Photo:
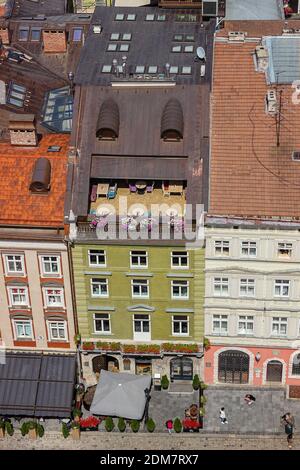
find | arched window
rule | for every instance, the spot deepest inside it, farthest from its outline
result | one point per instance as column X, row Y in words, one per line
column 233, row 367
column 296, row 365
column 274, row 371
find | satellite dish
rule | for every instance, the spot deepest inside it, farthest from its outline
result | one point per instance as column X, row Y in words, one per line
column 201, row 53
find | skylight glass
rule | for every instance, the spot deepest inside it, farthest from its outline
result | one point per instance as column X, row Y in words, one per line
column 58, row 110
column 114, row 36
column 112, row 47
column 176, row 48
column 186, row 70
column 174, row 69
column 188, row 48
column 126, row 37
column 149, row 17
column 131, row 17
column 124, row 47
column 119, row 17
column 189, row 37
column 106, row 68
column 161, row 17
column 152, row 69
column 140, row 69
column 178, row 37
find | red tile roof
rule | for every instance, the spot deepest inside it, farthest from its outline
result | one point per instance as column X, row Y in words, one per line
column 18, row 206
column 250, row 175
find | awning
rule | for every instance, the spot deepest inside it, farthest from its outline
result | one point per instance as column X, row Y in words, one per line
column 122, row 395
column 40, row 385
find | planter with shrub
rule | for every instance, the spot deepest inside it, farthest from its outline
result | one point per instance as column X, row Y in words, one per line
column 150, row 425
column 177, row 425
column 135, row 425
column 121, row 424
column 88, row 346
column 165, row 382
column 76, row 414
column 196, row 382
column 109, row 424
column 33, row 428
column 65, row 430
column 6, row 427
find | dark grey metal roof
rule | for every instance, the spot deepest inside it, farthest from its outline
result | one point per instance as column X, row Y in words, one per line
column 45, row 7
column 150, row 44
column 37, row 385
column 108, row 120
column 254, row 10
column 172, row 119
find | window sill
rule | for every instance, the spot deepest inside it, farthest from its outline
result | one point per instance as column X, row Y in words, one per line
column 58, row 344
column 25, row 343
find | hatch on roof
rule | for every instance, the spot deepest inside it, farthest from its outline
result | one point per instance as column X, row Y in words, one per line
column 40, row 182
column 108, row 120
column 172, row 121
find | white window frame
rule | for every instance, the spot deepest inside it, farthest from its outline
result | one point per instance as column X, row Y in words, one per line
column 46, row 297
column 103, row 253
column 180, row 319
column 222, row 282
column 141, row 317
column 144, row 282
column 222, row 247
column 180, row 255
column 285, row 246
column 248, row 284
column 98, row 280
column 251, row 244
column 247, row 320
column 280, row 321
column 22, row 337
column 57, row 322
column 42, row 265
column 178, row 283
column 281, row 284
column 139, row 256
column 219, row 318
column 14, row 273
column 103, row 317
column 12, row 303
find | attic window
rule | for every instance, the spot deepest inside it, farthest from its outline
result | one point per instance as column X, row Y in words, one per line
column 161, row 17
column 172, row 121
column 106, row 68
column 35, row 34
column 186, row 70
column 124, row 47
column 131, row 17
column 178, row 37
column 126, row 37
column 119, row 17
column 16, row 95
column 189, row 37
column 40, row 182
column 174, row 69
column 77, row 34
column 23, row 33
column 112, row 47
column 176, row 49
column 54, row 148
column 108, row 121
column 152, row 69
column 296, row 156
column 150, row 17
column 188, row 48
column 114, row 36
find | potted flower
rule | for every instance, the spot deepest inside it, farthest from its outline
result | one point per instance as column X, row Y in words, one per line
column 6, row 427
column 88, row 346
column 196, row 382
column 191, row 425
column 91, row 423
column 206, row 344
column 33, row 429
column 165, row 382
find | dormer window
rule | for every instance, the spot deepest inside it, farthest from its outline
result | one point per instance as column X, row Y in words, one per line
column 108, row 121
column 41, row 176
column 77, row 34
column 23, row 33
column 172, row 121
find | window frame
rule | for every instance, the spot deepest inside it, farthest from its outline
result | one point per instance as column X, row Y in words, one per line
column 224, row 281
column 180, row 319
column 282, row 283
column 133, row 253
column 222, row 247
column 180, row 285
column 248, row 285
column 51, row 321
column 35, row 29
column 24, row 28
column 14, row 304
column 145, row 282
column 95, row 281
column 103, row 253
column 280, row 321
column 104, row 317
column 248, row 320
column 14, row 89
column 219, row 318
column 74, row 30
column 16, row 320
column 46, row 297
column 141, row 317
column 285, row 246
column 58, row 274
column 14, row 273
column 248, row 248
column 185, row 254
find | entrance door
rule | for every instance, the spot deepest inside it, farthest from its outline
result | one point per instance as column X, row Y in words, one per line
column 181, row 368
column 141, row 328
column 274, row 371
column 233, row 367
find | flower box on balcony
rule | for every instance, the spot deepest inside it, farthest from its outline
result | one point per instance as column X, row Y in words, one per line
column 106, row 346
column 88, row 346
column 141, row 348
column 184, row 348
column 129, row 348
column 91, row 423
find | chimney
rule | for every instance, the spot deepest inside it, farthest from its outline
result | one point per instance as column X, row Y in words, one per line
column 262, row 58
column 22, row 130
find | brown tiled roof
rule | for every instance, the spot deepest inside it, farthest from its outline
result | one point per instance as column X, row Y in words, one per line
column 259, row 28
column 250, row 174
column 17, row 205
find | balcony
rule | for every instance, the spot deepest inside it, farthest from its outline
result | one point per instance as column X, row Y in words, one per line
column 180, row 3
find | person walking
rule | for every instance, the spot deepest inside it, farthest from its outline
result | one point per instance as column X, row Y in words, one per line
column 249, row 399
column 223, row 416
column 288, row 421
column 169, row 426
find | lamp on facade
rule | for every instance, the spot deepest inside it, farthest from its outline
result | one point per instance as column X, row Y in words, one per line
column 71, row 79
column 257, row 356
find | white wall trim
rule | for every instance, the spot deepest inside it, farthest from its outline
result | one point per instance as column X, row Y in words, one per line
column 290, row 375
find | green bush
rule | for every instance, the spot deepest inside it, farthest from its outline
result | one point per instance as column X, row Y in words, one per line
column 150, row 425
column 135, row 425
column 65, row 430
column 177, row 425
column 202, row 411
column 9, row 428
column 40, row 430
column 76, row 412
column 165, row 382
column 109, row 424
column 24, row 428
column 196, row 382
column 203, row 386
column 203, row 400
column 121, row 425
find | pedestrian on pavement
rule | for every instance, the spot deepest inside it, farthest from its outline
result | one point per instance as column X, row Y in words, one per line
column 249, row 399
column 223, row 416
column 288, row 421
column 169, row 426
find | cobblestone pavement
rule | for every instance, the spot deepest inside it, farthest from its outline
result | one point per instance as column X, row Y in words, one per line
column 159, row 441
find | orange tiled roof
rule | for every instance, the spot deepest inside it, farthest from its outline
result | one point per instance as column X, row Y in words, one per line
column 17, row 205
column 259, row 28
column 250, row 175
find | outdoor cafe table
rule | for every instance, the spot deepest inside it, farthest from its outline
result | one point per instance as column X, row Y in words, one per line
column 175, row 188
column 102, row 189
column 141, row 186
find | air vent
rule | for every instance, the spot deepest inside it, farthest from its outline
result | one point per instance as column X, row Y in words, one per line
column 296, row 156
column 236, row 36
column 210, row 7
column 271, row 102
column 262, row 58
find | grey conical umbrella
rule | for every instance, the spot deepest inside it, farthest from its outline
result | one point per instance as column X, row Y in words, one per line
column 119, row 394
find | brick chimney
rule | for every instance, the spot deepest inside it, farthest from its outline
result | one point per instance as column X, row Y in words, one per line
column 54, row 41
column 22, row 130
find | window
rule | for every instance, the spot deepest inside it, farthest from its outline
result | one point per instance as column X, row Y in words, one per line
column 14, row 264
column 189, row 37
column 23, row 329
column 141, row 323
column 179, row 259
column 139, row 259
column 35, row 34
column 186, row 70
column 296, row 156
column 23, row 33
column 114, row 36
column 18, row 296
column 282, row 288
column 97, row 258
column 296, row 365
column 221, row 286
column 152, row 69
column 178, row 37
column 186, row 17
column 140, row 69
column 161, row 17
column 131, row 17
column 248, row 249
column 16, row 95
column 101, row 323
column 284, row 250
column 106, row 68
column 188, row 48
column 245, row 325
column 53, row 297
column 180, row 289
column 119, row 17
column 99, row 287
column 140, row 288
column 57, row 330
column 247, row 287
column 279, row 326
column 222, row 247
column 77, row 34
column 126, row 37
column 176, row 49
column 174, row 69
column 149, row 17
column 124, row 47
column 50, row 265
column 112, row 47
column 220, row 324
column 180, row 325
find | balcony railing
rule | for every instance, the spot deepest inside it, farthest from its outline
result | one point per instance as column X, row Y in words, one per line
column 150, row 349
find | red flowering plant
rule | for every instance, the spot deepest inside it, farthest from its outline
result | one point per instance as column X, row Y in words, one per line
column 190, row 424
column 108, row 346
column 129, row 348
column 185, row 348
column 88, row 346
column 89, row 422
